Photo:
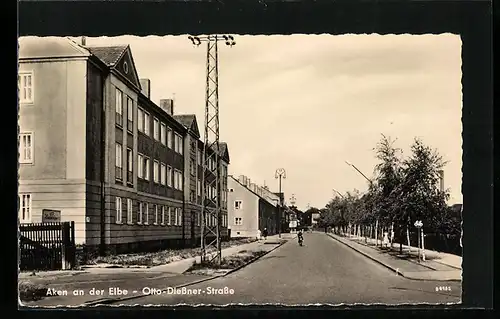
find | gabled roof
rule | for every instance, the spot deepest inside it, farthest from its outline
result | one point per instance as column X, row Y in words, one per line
column 49, row 48
column 115, row 57
column 224, row 152
column 110, row 54
column 252, row 192
column 189, row 122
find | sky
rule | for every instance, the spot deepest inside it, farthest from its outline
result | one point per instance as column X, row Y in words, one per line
column 309, row 103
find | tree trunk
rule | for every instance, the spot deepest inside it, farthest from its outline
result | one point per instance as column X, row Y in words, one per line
column 392, row 235
column 376, row 233
column 408, row 238
column 400, row 240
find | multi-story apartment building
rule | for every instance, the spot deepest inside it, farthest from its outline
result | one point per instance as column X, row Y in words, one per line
column 252, row 208
column 95, row 148
column 193, row 168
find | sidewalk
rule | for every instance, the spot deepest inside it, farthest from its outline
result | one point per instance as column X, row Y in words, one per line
column 95, row 284
column 179, row 267
column 438, row 266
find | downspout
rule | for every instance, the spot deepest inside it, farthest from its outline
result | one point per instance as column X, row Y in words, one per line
column 184, row 191
column 103, row 169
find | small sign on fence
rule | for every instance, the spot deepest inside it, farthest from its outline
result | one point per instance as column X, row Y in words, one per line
column 51, row 216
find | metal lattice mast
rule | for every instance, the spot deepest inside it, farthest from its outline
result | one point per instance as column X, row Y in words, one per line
column 211, row 210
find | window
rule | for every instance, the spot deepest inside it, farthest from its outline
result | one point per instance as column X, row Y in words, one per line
column 199, row 157
column 178, row 144
column 156, row 171
column 192, row 196
column 163, row 215
column 156, row 215
column 146, row 214
column 163, row 134
column 178, row 180
column 26, row 87
column 192, row 168
column 146, row 123
column 156, row 129
column 118, row 164
column 198, row 188
column 179, row 218
column 146, row 168
column 181, row 145
column 231, row 190
column 181, row 181
column 25, row 208
column 140, row 213
column 26, row 148
column 140, row 120
column 169, row 176
column 130, row 175
column 198, row 219
column 119, row 107
column 207, row 220
column 169, row 222
column 129, row 211
column 238, row 204
column 140, row 166
column 118, row 210
column 170, row 138
column 238, row 221
column 163, row 174
column 130, row 114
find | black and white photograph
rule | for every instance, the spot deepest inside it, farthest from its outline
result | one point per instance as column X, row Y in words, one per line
column 227, row 169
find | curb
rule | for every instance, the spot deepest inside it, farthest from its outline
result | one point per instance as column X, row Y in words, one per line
column 448, row 265
column 112, row 301
column 387, row 266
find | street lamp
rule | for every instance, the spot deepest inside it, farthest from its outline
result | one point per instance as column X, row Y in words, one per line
column 420, row 235
column 280, row 174
column 353, row 166
column 336, row 191
column 371, row 184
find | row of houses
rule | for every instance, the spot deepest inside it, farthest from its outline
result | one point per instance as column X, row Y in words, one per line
column 255, row 208
column 95, row 149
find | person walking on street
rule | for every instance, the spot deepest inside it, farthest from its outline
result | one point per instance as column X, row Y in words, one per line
column 264, row 233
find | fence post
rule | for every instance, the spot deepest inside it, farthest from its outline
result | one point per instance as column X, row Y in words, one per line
column 63, row 245
column 72, row 245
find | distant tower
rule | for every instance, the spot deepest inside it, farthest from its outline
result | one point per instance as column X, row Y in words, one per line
column 293, row 200
column 441, row 180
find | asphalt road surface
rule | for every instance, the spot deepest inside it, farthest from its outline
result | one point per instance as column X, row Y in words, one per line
column 323, row 271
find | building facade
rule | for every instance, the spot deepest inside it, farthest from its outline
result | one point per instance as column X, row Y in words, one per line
column 94, row 147
column 251, row 208
column 196, row 183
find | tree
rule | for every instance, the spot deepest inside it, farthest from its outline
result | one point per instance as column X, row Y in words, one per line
column 418, row 197
column 389, row 175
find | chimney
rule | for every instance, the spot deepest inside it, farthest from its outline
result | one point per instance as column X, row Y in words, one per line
column 146, row 87
column 83, row 41
column 241, row 179
column 167, row 105
column 441, row 180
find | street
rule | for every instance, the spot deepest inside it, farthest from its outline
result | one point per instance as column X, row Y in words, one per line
column 323, row 271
